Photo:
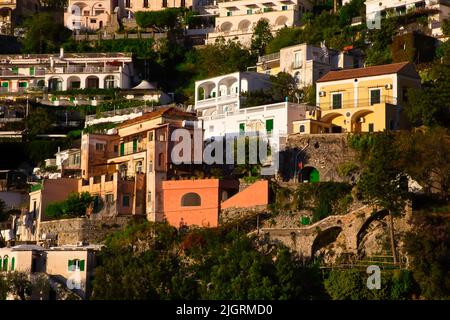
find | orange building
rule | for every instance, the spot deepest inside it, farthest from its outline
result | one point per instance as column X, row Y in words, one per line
column 198, row 202
column 126, row 169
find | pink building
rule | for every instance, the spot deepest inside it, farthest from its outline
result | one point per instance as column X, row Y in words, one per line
column 198, row 202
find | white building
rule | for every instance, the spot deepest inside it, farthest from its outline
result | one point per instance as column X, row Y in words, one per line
column 22, row 73
column 89, row 14
column 308, row 63
column 71, row 266
column 438, row 11
column 237, row 19
column 222, row 111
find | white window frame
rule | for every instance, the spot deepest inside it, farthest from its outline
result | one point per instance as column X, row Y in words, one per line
column 370, row 95
column 297, row 61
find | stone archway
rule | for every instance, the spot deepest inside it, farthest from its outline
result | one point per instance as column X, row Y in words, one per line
column 363, row 230
column 324, row 238
column 309, row 174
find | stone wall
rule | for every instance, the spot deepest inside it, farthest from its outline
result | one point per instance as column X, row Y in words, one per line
column 71, row 231
column 233, row 214
column 325, row 152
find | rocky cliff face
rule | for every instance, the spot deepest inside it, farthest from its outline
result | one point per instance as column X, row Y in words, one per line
column 325, row 152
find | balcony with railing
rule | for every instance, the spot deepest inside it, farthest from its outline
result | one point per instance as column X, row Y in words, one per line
column 230, row 98
column 84, row 69
column 269, row 57
column 359, row 103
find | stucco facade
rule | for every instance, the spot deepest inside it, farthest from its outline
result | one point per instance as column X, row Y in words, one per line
column 307, row 63
column 48, row 191
column 196, row 202
column 237, row 19
column 126, row 169
column 66, row 71
column 71, row 266
column 89, row 14
column 438, row 11
column 367, row 99
column 199, row 201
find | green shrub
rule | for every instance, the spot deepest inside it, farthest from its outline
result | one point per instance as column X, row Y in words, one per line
column 321, row 198
column 74, row 206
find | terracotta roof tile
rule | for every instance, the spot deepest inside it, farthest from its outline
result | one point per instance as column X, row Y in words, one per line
column 363, row 72
column 169, row 111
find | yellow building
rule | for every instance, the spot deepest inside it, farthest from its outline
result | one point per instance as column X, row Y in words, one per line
column 365, row 99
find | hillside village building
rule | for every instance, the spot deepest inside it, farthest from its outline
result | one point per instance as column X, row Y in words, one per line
column 65, row 71
column 90, row 14
column 126, row 169
column 237, row 19
column 220, row 105
column 438, row 11
column 73, row 265
column 13, row 12
column 307, row 63
column 362, row 100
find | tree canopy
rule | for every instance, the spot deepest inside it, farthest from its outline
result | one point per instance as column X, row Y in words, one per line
column 43, row 34
column 199, row 264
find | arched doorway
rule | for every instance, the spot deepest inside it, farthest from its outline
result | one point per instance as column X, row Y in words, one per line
column 55, row 84
column 309, row 174
column 92, row 82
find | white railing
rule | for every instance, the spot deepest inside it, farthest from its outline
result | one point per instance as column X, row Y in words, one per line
column 245, row 111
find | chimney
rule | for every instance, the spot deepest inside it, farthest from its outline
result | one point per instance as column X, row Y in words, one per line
column 61, row 53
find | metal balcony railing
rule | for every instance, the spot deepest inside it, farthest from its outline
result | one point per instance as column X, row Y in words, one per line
column 360, row 103
column 88, row 69
column 269, row 57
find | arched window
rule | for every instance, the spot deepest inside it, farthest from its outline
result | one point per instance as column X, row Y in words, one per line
column 110, row 82
column 139, row 167
column 191, row 200
column 5, row 263
column 40, row 83
column 302, row 128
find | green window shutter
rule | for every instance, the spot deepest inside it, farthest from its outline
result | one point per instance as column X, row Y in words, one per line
column 5, row 84
column 375, row 96
column 314, row 176
column 32, row 71
column 134, row 145
column 69, row 265
column 337, row 101
column 241, row 128
column 22, row 84
column 5, row 264
column 15, row 70
column 1, row 263
column 122, row 149
column 13, row 262
column 81, row 265
column 269, row 125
